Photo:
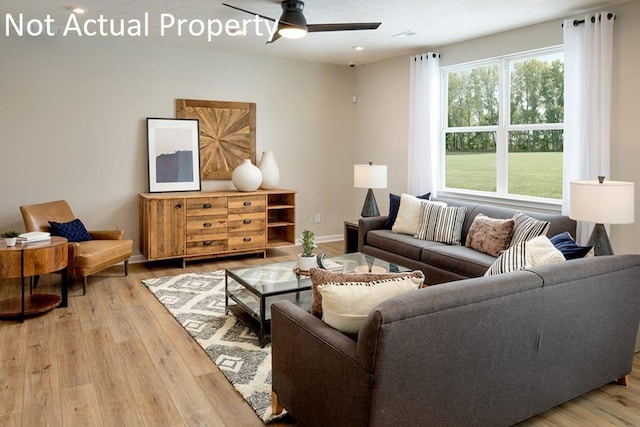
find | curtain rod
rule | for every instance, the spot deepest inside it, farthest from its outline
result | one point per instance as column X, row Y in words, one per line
column 577, row 22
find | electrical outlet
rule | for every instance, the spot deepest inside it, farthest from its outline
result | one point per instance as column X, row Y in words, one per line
column 317, row 218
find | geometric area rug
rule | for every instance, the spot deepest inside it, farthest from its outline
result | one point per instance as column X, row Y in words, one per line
column 196, row 300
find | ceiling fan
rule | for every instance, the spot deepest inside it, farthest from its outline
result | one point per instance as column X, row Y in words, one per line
column 293, row 25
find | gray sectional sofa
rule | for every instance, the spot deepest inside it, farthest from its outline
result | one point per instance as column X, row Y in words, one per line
column 439, row 261
column 489, row 351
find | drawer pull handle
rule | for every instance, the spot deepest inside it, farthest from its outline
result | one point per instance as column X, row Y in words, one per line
column 178, row 206
column 246, row 239
column 247, row 203
column 206, row 206
column 246, row 221
column 207, row 243
column 207, row 224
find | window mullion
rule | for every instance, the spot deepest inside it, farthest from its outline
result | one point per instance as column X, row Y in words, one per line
column 502, row 183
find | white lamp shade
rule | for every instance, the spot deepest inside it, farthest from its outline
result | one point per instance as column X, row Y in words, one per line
column 611, row 202
column 370, row 176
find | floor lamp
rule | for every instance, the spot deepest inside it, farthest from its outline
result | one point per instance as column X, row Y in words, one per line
column 370, row 176
column 602, row 202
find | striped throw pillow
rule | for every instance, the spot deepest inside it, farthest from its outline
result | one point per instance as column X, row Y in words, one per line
column 441, row 223
column 512, row 259
column 526, row 228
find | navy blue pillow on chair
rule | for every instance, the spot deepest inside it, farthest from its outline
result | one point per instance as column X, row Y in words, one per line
column 73, row 231
column 569, row 248
column 394, row 206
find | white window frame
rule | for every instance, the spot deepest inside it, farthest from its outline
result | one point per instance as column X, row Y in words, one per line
column 502, row 129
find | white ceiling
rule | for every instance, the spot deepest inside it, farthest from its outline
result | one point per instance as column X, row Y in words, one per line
column 434, row 22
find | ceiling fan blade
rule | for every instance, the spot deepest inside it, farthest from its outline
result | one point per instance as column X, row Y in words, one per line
column 276, row 36
column 348, row 26
column 249, row 12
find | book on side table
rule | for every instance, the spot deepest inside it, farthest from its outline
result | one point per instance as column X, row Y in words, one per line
column 34, row 236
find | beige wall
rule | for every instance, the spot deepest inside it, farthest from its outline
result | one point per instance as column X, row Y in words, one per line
column 382, row 110
column 72, row 123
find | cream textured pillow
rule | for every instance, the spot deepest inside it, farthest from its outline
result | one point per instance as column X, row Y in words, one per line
column 319, row 277
column 346, row 305
column 489, row 235
column 409, row 214
column 540, row 250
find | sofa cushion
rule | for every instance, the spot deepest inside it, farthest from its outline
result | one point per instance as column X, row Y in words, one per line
column 526, row 228
column 320, row 277
column 345, row 305
column 394, row 205
column 73, row 231
column 490, row 235
column 459, row 259
column 401, row 244
column 440, row 223
column 569, row 248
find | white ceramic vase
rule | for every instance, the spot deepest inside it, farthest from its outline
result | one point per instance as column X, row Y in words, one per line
column 306, row 262
column 247, row 176
column 270, row 171
column 10, row 241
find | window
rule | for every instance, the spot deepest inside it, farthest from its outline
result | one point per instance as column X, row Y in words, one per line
column 503, row 125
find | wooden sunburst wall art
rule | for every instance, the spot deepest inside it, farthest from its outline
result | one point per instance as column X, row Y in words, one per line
column 227, row 134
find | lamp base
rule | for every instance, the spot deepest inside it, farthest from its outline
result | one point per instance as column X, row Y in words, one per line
column 370, row 207
column 600, row 241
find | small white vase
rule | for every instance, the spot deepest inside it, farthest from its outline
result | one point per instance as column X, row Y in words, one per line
column 270, row 171
column 247, row 176
column 10, row 241
column 306, row 262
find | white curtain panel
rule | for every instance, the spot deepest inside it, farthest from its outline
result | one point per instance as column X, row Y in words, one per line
column 587, row 103
column 424, row 124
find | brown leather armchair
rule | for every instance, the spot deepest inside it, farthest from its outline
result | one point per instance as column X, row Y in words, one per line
column 106, row 247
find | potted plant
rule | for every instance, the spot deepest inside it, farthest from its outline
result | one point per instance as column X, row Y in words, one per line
column 307, row 258
column 10, row 238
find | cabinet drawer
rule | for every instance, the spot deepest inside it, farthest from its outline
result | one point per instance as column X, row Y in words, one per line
column 254, row 221
column 244, row 204
column 206, row 246
column 206, row 224
column 241, row 241
column 203, row 206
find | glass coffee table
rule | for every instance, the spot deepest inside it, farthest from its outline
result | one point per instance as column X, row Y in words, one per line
column 250, row 291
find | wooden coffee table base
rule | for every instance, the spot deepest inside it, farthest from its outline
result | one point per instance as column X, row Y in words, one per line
column 33, row 304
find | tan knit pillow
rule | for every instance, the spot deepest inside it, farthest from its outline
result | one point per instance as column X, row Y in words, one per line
column 320, row 277
column 490, row 235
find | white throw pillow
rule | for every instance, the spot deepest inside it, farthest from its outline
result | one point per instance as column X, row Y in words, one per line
column 345, row 305
column 540, row 250
column 409, row 214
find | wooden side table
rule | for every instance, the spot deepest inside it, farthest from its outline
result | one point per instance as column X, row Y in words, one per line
column 350, row 236
column 26, row 261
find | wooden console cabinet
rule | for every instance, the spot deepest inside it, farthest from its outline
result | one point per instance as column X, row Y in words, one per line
column 198, row 225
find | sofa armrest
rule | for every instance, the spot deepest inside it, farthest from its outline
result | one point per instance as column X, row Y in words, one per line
column 366, row 224
column 107, row 234
column 315, row 370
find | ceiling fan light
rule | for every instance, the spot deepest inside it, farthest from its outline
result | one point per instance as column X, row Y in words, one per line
column 289, row 32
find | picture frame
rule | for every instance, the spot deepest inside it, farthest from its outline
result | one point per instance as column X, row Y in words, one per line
column 173, row 154
column 227, row 134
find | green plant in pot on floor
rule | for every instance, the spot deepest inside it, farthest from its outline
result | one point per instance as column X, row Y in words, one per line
column 307, row 259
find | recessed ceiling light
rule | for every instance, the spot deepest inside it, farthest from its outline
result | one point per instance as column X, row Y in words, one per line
column 77, row 10
column 404, row 34
column 358, row 48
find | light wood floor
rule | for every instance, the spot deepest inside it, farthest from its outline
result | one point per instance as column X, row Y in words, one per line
column 116, row 357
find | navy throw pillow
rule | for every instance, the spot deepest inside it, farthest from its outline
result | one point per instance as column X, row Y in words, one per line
column 569, row 248
column 73, row 231
column 394, row 206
